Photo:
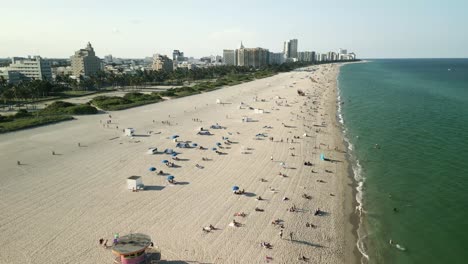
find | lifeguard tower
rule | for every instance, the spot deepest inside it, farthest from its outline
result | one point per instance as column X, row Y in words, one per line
column 133, row 249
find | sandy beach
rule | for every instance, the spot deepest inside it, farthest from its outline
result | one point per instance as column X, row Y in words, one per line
column 55, row 208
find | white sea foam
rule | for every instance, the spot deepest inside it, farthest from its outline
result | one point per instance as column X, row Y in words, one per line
column 359, row 178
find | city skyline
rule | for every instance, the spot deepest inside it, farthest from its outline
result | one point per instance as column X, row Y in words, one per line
column 54, row 29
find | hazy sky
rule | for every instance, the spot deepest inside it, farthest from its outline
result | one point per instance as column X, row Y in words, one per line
column 140, row 28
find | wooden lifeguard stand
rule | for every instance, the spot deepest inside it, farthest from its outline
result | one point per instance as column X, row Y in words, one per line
column 131, row 249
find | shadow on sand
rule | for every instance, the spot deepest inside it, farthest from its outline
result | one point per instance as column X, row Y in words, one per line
column 250, row 194
column 307, row 243
column 153, row 188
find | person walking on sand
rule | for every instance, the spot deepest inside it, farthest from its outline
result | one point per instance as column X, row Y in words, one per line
column 18, row 162
column 281, row 234
column 271, row 158
column 291, row 235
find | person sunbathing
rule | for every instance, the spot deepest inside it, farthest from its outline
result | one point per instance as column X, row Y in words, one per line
column 266, row 245
column 258, row 209
column 234, row 223
column 241, row 214
column 259, row 198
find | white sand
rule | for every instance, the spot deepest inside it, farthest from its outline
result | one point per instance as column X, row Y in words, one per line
column 56, row 207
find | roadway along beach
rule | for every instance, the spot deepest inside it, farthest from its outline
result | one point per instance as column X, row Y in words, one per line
column 55, row 208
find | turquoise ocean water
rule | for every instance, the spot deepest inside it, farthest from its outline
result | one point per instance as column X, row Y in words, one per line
column 417, row 113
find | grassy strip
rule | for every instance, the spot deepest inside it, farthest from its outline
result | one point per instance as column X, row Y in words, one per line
column 55, row 112
column 65, row 108
column 31, row 121
column 208, row 86
column 129, row 100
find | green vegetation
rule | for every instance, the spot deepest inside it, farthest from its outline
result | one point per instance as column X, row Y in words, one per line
column 65, row 108
column 56, row 112
column 129, row 100
column 23, row 119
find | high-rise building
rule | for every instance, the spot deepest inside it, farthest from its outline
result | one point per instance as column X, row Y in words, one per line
column 178, row 55
column 343, row 52
column 162, row 63
column 85, row 62
column 30, row 69
column 276, row 58
column 290, row 48
column 252, row 57
column 307, row 56
column 229, row 57
column 332, row 56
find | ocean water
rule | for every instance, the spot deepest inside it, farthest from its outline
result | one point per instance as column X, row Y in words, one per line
column 416, row 111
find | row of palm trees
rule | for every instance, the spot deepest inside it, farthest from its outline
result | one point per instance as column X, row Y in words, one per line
column 38, row 89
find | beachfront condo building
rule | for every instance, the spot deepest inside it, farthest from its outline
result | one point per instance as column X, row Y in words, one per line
column 276, row 58
column 85, row 62
column 162, row 63
column 290, row 49
column 27, row 69
column 230, row 57
column 307, row 56
column 252, row 57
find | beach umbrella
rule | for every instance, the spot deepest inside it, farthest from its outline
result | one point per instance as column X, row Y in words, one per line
column 170, row 177
column 174, row 136
column 213, row 149
column 235, row 188
column 194, row 144
column 174, row 154
column 322, row 157
column 165, row 161
column 152, row 169
column 218, row 144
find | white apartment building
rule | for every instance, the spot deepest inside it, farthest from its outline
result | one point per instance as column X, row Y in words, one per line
column 229, row 57
column 31, row 68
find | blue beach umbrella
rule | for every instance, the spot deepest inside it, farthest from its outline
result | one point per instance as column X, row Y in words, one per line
column 170, row 177
column 213, row 149
column 152, row 169
column 174, row 136
column 235, row 188
column 322, row 157
column 194, row 144
column 165, row 161
column 218, row 144
column 174, row 154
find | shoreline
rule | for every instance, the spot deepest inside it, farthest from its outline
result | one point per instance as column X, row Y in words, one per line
column 361, row 256
column 349, row 183
column 86, row 185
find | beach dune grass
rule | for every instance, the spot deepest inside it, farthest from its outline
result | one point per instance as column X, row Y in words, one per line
column 17, row 123
column 129, row 100
column 53, row 113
